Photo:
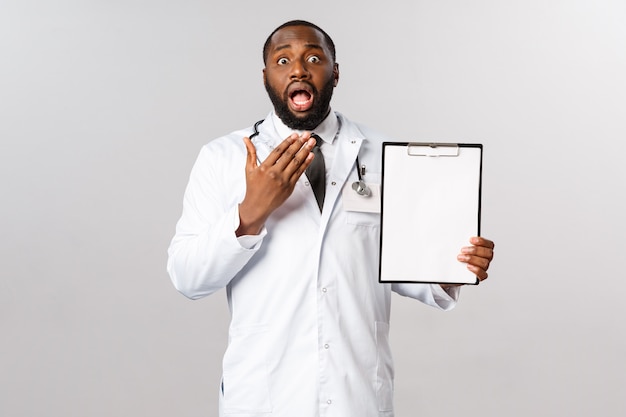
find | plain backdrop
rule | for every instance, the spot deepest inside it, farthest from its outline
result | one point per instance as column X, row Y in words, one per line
column 104, row 105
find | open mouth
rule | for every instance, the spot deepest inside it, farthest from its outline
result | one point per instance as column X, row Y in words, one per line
column 300, row 97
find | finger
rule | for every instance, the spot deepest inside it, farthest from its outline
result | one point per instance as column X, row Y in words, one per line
column 251, row 157
column 477, row 265
column 478, row 251
column 481, row 274
column 297, row 173
column 477, row 261
column 301, row 160
column 292, row 156
column 278, row 151
column 481, row 241
column 477, row 255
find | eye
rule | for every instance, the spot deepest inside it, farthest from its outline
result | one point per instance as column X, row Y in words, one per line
column 314, row 59
column 282, row 61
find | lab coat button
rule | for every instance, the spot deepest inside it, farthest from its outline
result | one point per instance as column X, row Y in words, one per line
column 333, row 183
column 329, row 401
column 326, row 346
column 324, row 290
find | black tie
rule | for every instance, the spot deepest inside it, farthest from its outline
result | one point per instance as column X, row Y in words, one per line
column 316, row 172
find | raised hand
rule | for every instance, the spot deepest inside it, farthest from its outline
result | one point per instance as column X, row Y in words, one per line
column 271, row 182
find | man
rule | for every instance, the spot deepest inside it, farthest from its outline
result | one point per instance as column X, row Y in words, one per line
column 309, row 319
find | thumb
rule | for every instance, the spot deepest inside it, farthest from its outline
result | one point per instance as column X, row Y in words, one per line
column 251, row 153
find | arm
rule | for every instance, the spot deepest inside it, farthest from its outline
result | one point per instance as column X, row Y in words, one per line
column 208, row 249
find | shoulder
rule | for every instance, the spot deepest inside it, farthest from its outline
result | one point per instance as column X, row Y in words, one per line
column 366, row 132
column 231, row 138
column 370, row 151
column 229, row 143
column 222, row 153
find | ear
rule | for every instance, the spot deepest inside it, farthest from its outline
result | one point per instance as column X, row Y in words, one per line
column 336, row 74
column 264, row 76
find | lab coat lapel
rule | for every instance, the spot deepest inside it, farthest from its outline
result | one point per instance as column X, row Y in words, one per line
column 348, row 145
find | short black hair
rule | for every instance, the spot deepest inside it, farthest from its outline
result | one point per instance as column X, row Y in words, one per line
column 329, row 41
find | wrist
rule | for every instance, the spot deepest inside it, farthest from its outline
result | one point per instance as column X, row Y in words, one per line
column 248, row 224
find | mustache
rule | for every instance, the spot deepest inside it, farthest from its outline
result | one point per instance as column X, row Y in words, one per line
column 301, row 85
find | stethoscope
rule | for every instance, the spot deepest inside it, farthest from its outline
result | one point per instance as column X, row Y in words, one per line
column 360, row 187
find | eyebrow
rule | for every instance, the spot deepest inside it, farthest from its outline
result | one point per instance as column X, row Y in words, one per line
column 307, row 45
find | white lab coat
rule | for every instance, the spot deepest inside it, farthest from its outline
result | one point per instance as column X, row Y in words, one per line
column 309, row 320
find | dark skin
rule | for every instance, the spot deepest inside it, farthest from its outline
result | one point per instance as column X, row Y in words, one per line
column 298, row 58
column 299, row 62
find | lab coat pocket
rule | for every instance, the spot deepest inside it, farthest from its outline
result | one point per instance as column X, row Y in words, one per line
column 356, row 218
column 361, row 210
column 384, row 368
column 245, row 375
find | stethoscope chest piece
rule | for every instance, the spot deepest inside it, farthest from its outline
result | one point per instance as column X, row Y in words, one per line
column 361, row 188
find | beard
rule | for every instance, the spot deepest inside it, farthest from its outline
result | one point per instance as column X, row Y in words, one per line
column 316, row 114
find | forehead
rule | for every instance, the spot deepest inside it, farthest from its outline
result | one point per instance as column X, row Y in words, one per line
column 297, row 36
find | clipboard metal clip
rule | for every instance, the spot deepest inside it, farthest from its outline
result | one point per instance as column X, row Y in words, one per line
column 432, row 149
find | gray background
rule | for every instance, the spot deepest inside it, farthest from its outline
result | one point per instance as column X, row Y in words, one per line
column 104, row 106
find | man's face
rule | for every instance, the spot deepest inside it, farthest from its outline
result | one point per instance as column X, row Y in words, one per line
column 300, row 76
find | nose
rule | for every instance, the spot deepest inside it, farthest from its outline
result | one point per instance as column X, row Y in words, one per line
column 299, row 70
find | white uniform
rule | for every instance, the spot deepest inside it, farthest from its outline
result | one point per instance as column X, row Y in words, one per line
column 310, row 321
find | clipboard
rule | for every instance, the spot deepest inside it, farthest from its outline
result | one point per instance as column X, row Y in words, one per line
column 430, row 207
